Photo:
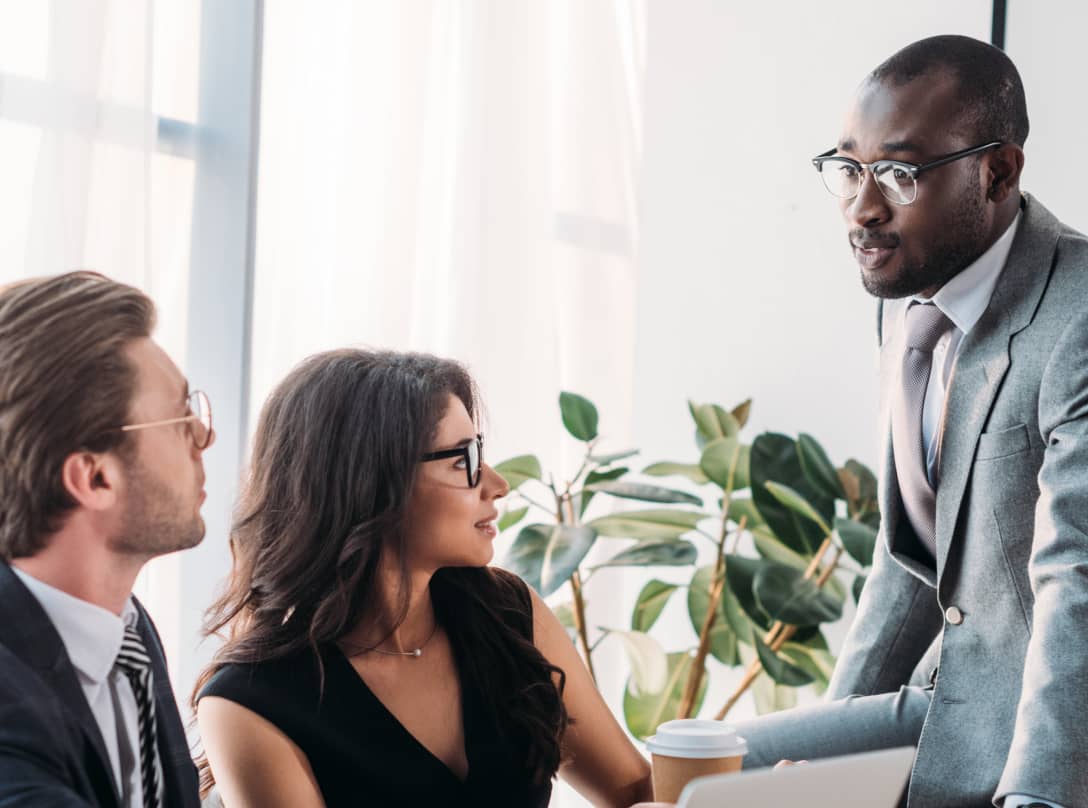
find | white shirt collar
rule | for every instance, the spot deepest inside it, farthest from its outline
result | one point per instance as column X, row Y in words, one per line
column 91, row 635
column 964, row 298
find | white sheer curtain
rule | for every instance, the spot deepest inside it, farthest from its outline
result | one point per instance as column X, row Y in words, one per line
column 83, row 183
column 457, row 177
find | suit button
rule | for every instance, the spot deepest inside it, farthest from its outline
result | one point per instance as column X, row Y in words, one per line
column 953, row 615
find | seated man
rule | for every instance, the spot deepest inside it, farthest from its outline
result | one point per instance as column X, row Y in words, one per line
column 100, row 471
column 984, row 375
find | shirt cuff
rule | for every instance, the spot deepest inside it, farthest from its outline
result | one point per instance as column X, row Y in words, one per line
column 1016, row 800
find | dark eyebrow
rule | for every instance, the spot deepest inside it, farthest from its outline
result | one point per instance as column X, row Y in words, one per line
column 902, row 146
column 891, row 146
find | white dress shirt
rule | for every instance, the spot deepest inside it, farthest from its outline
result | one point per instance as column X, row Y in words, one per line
column 963, row 301
column 92, row 636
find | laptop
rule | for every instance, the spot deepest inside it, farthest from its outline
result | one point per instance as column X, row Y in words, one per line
column 869, row 780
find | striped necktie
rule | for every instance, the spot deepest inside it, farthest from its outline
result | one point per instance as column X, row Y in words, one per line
column 136, row 665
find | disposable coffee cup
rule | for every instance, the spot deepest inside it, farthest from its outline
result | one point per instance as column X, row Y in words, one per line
column 688, row 748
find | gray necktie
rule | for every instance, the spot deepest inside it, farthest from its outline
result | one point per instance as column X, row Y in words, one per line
column 925, row 325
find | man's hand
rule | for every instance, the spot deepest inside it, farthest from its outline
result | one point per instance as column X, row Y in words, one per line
column 784, row 763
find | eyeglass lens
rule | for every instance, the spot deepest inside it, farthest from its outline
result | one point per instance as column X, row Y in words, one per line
column 843, row 179
column 475, row 455
column 201, row 426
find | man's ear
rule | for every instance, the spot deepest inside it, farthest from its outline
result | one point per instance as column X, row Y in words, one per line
column 1001, row 172
column 92, row 479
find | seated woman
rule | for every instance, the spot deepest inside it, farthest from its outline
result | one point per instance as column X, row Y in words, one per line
column 372, row 657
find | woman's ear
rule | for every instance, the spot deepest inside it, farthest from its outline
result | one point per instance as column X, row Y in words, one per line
column 92, row 479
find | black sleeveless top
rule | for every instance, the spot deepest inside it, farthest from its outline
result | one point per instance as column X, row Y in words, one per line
column 361, row 755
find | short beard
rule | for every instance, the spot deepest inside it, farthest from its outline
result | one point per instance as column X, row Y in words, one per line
column 943, row 261
column 154, row 523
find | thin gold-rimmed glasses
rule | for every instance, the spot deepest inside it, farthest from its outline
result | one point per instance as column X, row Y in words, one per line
column 199, row 420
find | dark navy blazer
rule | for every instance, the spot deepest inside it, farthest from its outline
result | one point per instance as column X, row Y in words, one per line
column 51, row 751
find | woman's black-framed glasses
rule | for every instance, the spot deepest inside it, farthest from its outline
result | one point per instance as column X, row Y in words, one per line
column 198, row 418
column 472, row 452
column 897, row 181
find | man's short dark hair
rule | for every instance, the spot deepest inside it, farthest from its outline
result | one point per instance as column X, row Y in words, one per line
column 65, row 386
column 988, row 82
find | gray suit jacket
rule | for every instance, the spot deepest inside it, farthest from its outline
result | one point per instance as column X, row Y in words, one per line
column 1009, row 709
column 51, row 751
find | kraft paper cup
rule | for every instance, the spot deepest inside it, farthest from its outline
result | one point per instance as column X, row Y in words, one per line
column 688, row 748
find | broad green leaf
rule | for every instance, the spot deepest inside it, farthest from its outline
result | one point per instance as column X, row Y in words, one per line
column 816, row 663
column 546, row 555
column 651, row 600
column 643, row 492
column 858, row 538
column 797, row 503
column 518, row 469
column 783, row 672
column 609, row 459
column 643, row 713
column 859, row 585
column 584, row 496
column 689, row 470
column 726, row 462
column 649, row 666
column 652, row 524
column 712, row 422
column 741, row 412
column 740, row 574
column 818, row 468
column 579, row 416
column 723, row 641
column 747, row 508
column 655, row 553
column 739, row 622
column 564, row 613
column 511, row 518
column 867, row 487
column 785, row 594
column 769, row 697
column 774, row 459
column 768, row 546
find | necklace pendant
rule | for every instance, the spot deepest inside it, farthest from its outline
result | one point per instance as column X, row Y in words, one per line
column 418, row 652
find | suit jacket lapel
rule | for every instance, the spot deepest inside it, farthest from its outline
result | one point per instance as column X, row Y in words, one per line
column 28, row 632
column 984, row 359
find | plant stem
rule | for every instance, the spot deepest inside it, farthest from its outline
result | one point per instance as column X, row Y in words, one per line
column 565, row 515
column 533, row 502
column 580, row 622
column 698, row 666
column 780, row 632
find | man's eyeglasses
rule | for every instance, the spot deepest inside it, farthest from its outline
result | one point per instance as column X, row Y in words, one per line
column 472, row 452
column 199, row 420
column 897, row 181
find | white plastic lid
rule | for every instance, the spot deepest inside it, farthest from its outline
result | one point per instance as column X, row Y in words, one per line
column 696, row 738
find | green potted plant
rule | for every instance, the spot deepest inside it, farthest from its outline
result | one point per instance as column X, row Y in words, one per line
column 790, row 533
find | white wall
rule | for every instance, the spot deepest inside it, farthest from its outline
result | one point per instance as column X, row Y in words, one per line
column 1046, row 40
column 746, row 285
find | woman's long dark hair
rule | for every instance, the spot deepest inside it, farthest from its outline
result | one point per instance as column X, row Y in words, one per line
column 334, row 462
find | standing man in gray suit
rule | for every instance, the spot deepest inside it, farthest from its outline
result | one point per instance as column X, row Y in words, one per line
column 100, row 470
column 982, row 560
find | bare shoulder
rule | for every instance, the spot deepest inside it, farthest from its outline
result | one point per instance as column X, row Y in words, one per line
column 253, row 761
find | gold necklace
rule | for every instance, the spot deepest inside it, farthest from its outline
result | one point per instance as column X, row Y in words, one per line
column 415, row 652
